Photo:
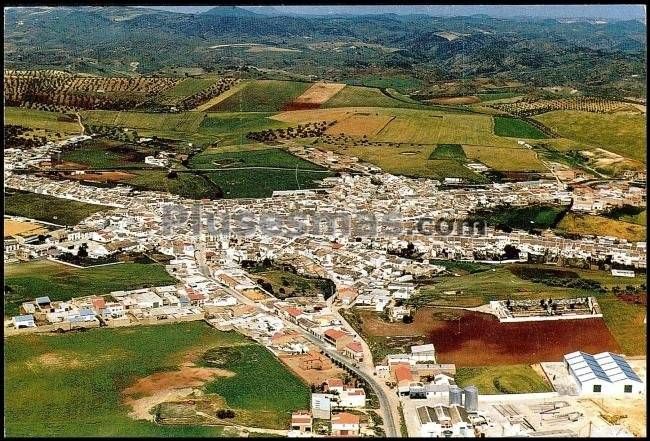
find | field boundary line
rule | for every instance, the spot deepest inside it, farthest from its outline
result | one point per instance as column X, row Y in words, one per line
column 51, row 259
column 385, row 125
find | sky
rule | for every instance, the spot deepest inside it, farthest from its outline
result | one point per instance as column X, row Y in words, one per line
column 622, row 12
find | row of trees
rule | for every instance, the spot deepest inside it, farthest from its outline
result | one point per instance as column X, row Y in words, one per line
column 309, row 130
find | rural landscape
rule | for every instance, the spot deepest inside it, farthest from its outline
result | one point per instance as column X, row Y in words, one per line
column 310, row 221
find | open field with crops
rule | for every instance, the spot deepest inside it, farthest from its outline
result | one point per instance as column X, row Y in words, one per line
column 315, row 96
column 114, row 375
column 62, row 282
column 505, row 158
column 358, row 96
column 183, row 89
column 270, row 157
column 512, row 379
column 48, row 208
column 261, row 96
column 588, row 224
column 48, row 122
column 619, row 133
column 516, row 128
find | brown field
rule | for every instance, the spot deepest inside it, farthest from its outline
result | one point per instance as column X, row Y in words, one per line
column 219, row 98
column 479, row 339
column 255, row 294
column 587, row 224
column 316, row 95
column 311, row 376
column 456, row 100
column 360, row 124
column 14, row 227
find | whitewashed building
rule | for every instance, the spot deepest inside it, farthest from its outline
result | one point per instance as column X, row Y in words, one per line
column 605, row 373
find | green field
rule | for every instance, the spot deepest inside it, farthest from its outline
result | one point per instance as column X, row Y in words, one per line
column 232, row 128
column 619, row 133
column 262, row 96
column 260, row 183
column 495, row 380
column 75, row 381
column 261, row 383
column 516, row 128
column 186, row 88
column 359, row 96
column 493, row 96
column 214, row 158
column 448, row 151
column 101, row 153
column 188, row 185
column 26, row 281
column 38, row 119
column 48, row 208
column 524, row 218
column 625, row 322
column 288, row 284
column 505, row 158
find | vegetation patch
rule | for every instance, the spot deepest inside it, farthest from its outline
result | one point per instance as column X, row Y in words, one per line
column 448, row 151
column 588, row 224
column 523, row 218
column 493, row 380
column 516, row 128
column 26, row 281
column 262, row 96
column 48, row 208
column 85, row 399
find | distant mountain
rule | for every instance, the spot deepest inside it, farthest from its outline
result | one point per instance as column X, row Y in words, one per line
column 229, row 11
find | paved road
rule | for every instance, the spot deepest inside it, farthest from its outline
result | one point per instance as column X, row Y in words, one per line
column 390, row 426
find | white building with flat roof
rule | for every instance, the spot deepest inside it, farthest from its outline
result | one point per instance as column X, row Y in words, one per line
column 605, row 373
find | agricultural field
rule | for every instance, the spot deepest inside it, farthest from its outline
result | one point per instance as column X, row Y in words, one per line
column 494, row 96
column 114, row 375
column 42, row 123
column 26, row 281
column 588, row 224
column 448, row 151
column 516, row 128
column 261, row 183
column 505, row 158
column 270, row 157
column 315, row 96
column 262, row 96
column 532, row 106
column 634, row 215
column 102, row 153
column 494, row 380
column 48, row 208
column 619, row 133
column 186, row 184
column 184, row 89
column 232, row 128
column 359, row 96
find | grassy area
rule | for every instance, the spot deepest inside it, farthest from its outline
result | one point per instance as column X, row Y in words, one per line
column 38, row 119
column 232, row 128
column 48, row 208
column 261, row 183
column 187, row 87
column 493, row 96
column 214, row 158
column 287, row 284
column 619, row 133
column 188, row 185
column 359, row 96
column 628, row 213
column 516, row 128
column 74, row 381
column 505, row 158
column 625, row 322
column 105, row 154
column 448, row 151
column 533, row 216
column 458, row 267
column 512, row 379
column 262, row 96
column 25, row 281
column 261, row 381
column 587, row 224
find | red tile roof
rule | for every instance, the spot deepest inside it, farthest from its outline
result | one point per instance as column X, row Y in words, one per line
column 335, row 334
column 293, row 312
column 334, row 382
column 354, row 346
column 402, row 372
column 345, row 418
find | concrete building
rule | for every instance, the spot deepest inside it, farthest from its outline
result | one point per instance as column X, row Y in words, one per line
column 444, row 421
column 345, row 424
column 423, row 353
column 321, row 406
column 605, row 373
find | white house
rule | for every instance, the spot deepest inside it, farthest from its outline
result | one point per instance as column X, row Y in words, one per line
column 352, row 397
column 605, row 373
column 321, row 405
column 444, row 421
column 23, row 321
column 345, row 424
column 423, row 353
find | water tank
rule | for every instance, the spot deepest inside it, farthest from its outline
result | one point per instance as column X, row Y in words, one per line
column 455, row 395
column 471, row 399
